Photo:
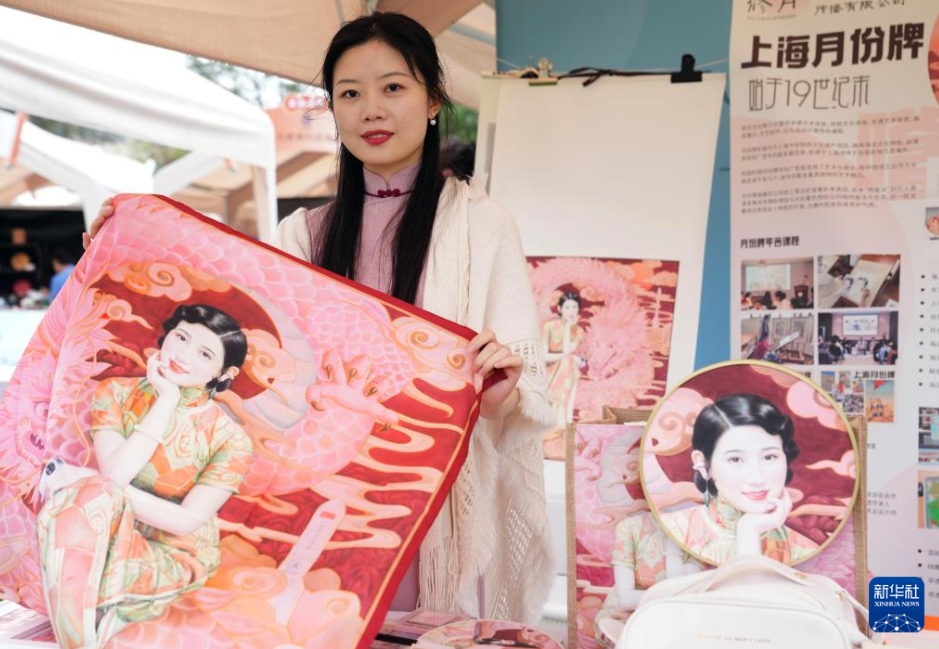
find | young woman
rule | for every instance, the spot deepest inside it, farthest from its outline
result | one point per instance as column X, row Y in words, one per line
column 120, row 546
column 562, row 336
column 781, row 302
column 763, row 342
column 743, row 447
column 398, row 226
column 836, row 349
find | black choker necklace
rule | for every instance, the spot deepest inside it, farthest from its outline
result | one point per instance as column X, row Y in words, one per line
column 389, row 193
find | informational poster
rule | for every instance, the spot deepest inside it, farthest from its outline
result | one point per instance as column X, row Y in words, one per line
column 835, row 237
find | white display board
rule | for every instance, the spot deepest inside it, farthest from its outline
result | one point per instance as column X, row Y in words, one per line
column 618, row 169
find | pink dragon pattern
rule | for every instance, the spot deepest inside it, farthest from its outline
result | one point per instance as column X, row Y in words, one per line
column 348, row 396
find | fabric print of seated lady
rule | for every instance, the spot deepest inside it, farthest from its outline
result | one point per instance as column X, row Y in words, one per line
column 143, row 531
column 228, row 438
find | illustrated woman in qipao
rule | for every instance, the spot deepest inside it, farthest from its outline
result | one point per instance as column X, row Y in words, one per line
column 562, row 337
column 743, row 452
column 121, row 544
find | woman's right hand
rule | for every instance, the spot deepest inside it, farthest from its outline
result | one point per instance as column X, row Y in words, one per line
column 752, row 526
column 567, row 346
column 156, row 376
column 107, row 209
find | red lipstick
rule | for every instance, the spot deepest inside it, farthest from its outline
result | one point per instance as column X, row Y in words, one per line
column 377, row 138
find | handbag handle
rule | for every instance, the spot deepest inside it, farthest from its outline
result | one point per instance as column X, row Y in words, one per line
column 755, row 564
column 744, row 564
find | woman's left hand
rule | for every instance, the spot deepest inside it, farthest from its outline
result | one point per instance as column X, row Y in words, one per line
column 491, row 355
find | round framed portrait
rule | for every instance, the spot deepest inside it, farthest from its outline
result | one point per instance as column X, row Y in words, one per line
column 749, row 457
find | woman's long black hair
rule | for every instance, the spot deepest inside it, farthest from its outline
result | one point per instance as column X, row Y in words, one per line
column 338, row 245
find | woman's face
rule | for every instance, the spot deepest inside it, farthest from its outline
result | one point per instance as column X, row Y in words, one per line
column 748, row 468
column 381, row 108
column 192, row 355
column 570, row 310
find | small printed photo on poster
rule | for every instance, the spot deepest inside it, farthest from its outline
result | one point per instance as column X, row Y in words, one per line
column 854, row 380
column 853, row 404
column 776, row 284
column 858, row 338
column 827, row 382
column 931, row 222
column 854, row 391
column 929, row 429
column 878, row 400
column 858, row 281
column 927, row 510
column 786, row 339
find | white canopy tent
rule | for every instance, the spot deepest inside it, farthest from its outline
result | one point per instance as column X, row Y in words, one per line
column 283, row 37
column 82, row 77
column 87, row 170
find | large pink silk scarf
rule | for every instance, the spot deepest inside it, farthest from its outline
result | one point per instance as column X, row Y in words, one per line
column 359, row 407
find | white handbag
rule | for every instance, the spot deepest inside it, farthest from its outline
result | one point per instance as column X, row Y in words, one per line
column 749, row 601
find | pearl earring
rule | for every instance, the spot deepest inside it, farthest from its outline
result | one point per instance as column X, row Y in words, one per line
column 433, row 121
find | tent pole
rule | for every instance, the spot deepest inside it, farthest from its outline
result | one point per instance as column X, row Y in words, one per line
column 264, row 182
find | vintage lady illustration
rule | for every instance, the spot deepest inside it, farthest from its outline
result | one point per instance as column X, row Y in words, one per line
column 562, row 337
column 345, row 410
column 748, row 457
column 743, row 448
column 643, row 555
column 618, row 317
column 142, row 531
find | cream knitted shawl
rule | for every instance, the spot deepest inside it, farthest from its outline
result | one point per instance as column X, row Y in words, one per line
column 494, row 524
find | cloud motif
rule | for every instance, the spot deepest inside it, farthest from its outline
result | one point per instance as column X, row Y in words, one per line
column 670, row 431
column 845, row 466
column 785, row 379
column 805, row 401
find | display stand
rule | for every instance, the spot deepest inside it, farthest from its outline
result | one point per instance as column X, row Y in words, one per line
column 614, row 417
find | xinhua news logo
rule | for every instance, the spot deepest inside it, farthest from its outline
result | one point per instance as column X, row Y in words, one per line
column 897, row 604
